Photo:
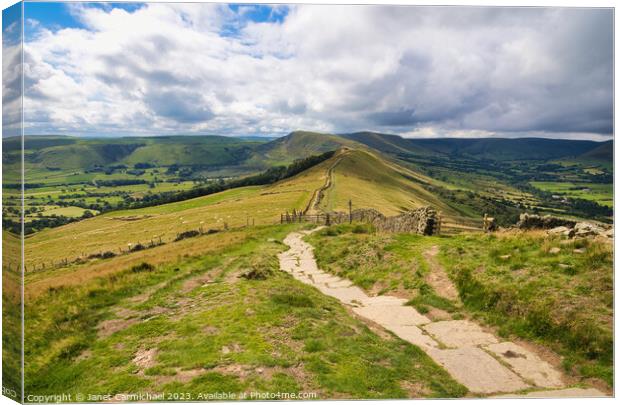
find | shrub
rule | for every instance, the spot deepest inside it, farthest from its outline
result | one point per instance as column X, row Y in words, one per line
column 137, row 248
column 144, row 266
column 186, row 234
column 359, row 228
column 102, row 255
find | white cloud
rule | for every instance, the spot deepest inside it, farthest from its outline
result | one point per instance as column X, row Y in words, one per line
column 200, row 68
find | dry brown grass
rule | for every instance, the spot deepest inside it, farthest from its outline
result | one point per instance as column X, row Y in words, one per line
column 78, row 274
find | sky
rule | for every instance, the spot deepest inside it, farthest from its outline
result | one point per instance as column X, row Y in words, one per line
column 159, row 69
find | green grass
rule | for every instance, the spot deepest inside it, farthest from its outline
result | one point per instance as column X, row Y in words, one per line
column 381, row 263
column 563, row 300
column 600, row 193
column 209, row 330
column 371, row 182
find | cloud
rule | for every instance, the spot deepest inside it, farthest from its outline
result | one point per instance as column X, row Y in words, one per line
column 180, row 105
column 12, row 72
column 210, row 68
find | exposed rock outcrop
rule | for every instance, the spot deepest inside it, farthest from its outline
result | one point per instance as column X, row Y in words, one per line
column 564, row 227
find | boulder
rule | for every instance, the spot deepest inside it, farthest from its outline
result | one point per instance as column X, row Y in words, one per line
column 554, row 250
column 562, row 231
column 583, row 229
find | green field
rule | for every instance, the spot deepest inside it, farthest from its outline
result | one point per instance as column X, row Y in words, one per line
column 600, row 193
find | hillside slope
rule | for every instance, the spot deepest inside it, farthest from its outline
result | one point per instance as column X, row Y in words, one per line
column 603, row 153
column 71, row 153
column 260, row 205
column 482, row 148
column 508, row 149
column 370, row 181
column 387, row 143
column 297, row 145
column 365, row 178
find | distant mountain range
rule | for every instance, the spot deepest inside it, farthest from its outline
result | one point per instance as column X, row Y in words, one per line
column 61, row 152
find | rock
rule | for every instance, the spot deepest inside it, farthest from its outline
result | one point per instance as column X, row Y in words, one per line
column 225, row 350
column 558, row 230
column 460, row 333
column 477, row 370
column 505, row 257
column 527, row 364
column 554, row 250
column 563, row 266
column 609, row 233
column 564, row 393
column 562, row 231
column 583, row 229
column 531, row 221
column 579, row 251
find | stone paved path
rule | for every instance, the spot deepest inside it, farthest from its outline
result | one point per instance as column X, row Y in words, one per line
column 477, row 359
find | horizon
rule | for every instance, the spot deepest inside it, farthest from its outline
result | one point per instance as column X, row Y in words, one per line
column 273, row 137
column 257, row 70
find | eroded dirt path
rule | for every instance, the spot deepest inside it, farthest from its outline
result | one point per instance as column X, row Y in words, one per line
column 479, row 360
column 313, row 205
column 437, row 277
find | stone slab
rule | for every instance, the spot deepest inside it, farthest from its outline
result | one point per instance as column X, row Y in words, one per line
column 565, row 393
column 325, row 278
column 415, row 336
column 477, row 370
column 389, row 316
column 460, row 333
column 385, row 301
column 339, row 284
column 347, row 295
column 527, row 364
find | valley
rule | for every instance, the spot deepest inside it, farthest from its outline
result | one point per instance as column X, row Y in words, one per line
column 155, row 262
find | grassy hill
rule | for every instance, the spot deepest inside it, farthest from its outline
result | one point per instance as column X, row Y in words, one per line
column 70, row 153
column 483, row 148
column 298, row 144
column 361, row 176
column 115, row 230
column 604, row 153
column 508, row 149
column 386, row 143
column 198, row 326
column 183, row 312
column 372, row 182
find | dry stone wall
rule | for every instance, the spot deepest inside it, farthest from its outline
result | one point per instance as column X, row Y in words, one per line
column 423, row 221
column 531, row 221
